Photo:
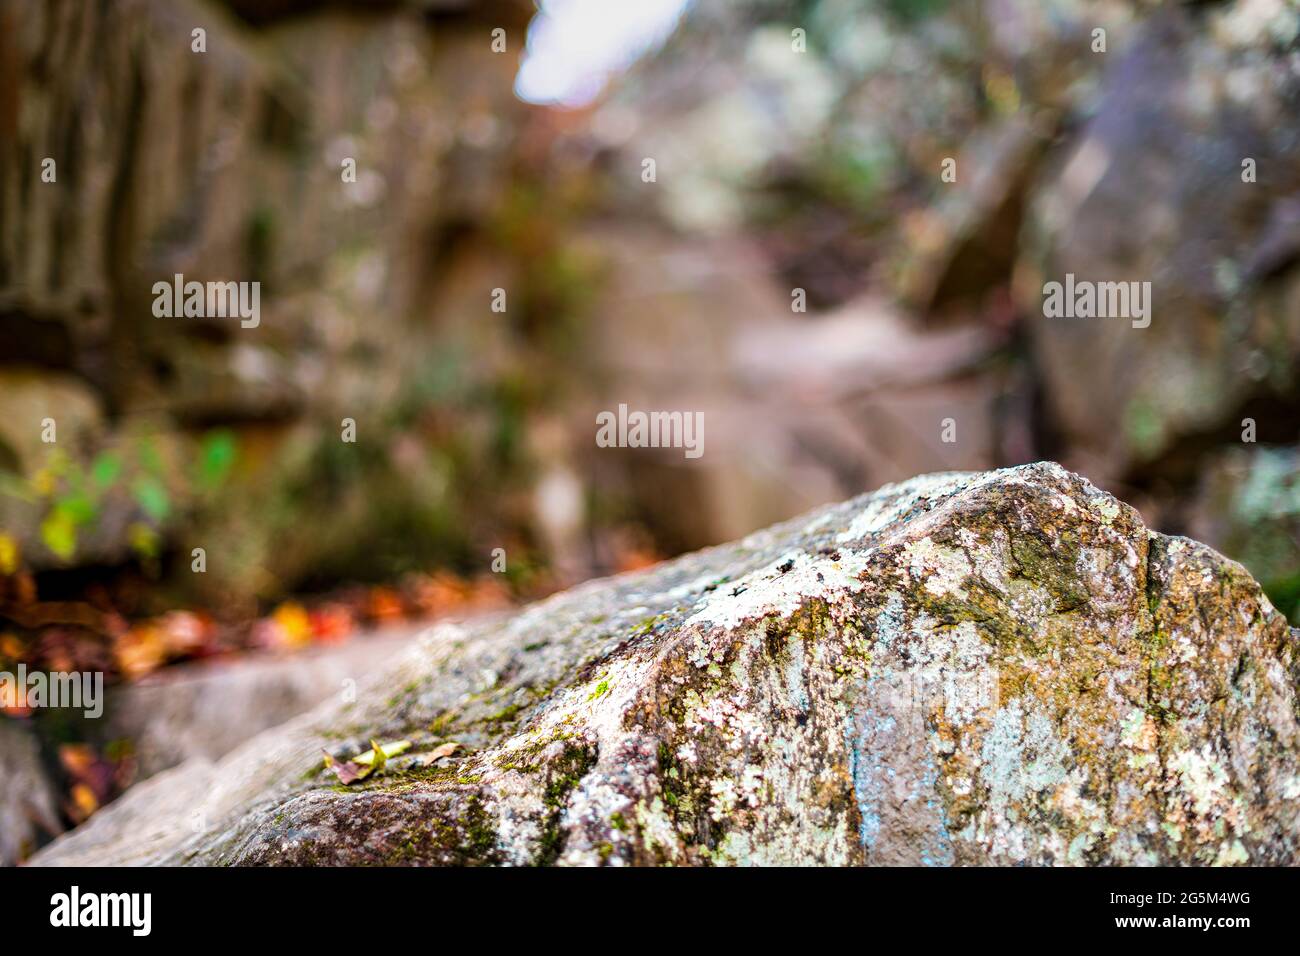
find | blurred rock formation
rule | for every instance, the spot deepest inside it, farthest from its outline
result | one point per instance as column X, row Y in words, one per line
column 783, row 175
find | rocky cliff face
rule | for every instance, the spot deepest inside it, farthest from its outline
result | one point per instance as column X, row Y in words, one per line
column 228, row 164
column 1005, row 667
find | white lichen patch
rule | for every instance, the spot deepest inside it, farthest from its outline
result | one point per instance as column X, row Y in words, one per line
column 656, row 828
column 1202, row 781
column 781, row 588
column 1023, row 756
column 1232, row 853
column 891, row 502
column 1107, row 507
column 1138, row 731
column 1139, row 735
column 990, row 557
column 941, row 569
column 1030, row 604
column 730, row 713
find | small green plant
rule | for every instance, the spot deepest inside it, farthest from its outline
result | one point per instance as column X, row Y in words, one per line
column 74, row 493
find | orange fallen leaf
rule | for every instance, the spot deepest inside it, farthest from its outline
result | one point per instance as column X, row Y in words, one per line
column 140, row 651
column 11, row 647
column 331, row 623
column 385, row 604
column 292, row 625
column 440, row 751
column 76, row 759
column 84, row 802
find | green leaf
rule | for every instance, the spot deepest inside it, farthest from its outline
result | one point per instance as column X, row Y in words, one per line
column 216, row 457
column 79, row 509
column 151, row 496
column 105, row 469
column 377, row 757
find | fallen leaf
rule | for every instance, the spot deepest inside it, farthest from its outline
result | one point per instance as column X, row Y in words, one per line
column 347, row 771
column 183, row 632
column 363, row 765
column 141, row 650
column 76, row 759
column 442, row 750
column 292, row 625
column 92, row 778
column 331, row 623
column 385, row 604
column 83, row 802
column 384, row 751
column 377, row 757
column 11, row 647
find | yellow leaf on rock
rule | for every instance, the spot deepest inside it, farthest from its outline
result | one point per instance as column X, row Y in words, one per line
column 384, row 750
column 377, row 756
column 363, row 765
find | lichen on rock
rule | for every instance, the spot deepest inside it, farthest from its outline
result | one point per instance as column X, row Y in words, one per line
column 1005, row 668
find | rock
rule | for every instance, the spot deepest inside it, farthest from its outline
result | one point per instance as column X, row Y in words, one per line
column 31, row 396
column 1005, row 667
column 1154, row 189
column 1248, row 504
column 27, row 800
column 799, row 409
column 967, row 244
column 205, row 710
column 808, row 147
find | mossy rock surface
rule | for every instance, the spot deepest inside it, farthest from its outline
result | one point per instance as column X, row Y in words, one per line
column 999, row 668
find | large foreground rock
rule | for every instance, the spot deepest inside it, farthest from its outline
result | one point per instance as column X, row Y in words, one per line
column 993, row 668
